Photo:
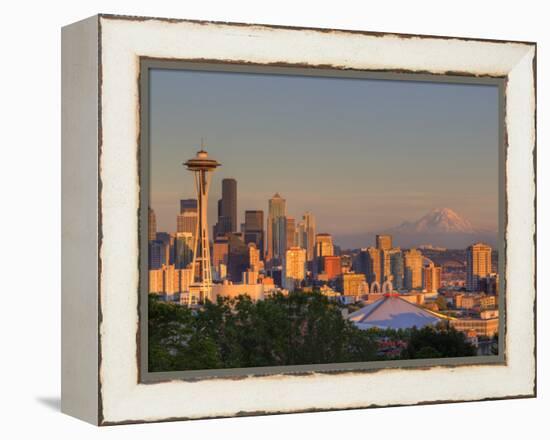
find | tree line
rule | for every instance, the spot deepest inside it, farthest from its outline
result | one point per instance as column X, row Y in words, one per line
column 295, row 329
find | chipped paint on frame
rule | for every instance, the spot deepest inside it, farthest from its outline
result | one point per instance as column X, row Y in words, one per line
column 115, row 412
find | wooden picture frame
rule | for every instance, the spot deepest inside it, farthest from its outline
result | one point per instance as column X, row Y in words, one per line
column 103, row 381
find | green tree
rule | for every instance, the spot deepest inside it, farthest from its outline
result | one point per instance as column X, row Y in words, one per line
column 300, row 328
column 430, row 341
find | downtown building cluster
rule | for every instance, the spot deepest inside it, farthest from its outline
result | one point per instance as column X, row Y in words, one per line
column 282, row 253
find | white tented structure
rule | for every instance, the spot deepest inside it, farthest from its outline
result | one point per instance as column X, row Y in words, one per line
column 393, row 312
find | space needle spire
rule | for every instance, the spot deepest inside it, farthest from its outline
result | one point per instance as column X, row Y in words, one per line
column 202, row 167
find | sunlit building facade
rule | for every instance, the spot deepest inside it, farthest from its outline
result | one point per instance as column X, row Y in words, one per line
column 294, row 268
column 276, row 228
column 413, row 269
column 478, row 265
column 431, row 277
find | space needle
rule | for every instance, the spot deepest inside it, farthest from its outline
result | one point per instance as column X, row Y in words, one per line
column 202, row 167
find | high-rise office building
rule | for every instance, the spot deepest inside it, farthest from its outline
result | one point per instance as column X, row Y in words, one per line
column 167, row 241
column 413, row 269
column 187, row 222
column 188, row 205
column 229, row 203
column 310, row 231
column 157, row 254
column 254, row 220
column 368, row 263
column 220, row 256
column 431, row 277
column 238, row 256
column 384, row 245
column 279, row 240
column 152, row 225
column 183, row 249
column 478, row 265
column 253, row 257
column 385, row 265
column 397, row 268
column 294, row 267
column 384, row 242
column 188, row 217
column 300, row 236
column 323, row 248
column 332, row 266
column 227, row 209
column 254, row 229
column 323, row 245
column 290, row 232
column 276, row 229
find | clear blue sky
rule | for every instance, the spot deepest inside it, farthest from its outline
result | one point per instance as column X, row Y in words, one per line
column 362, row 155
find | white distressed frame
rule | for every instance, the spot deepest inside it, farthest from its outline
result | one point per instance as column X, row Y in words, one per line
column 122, row 42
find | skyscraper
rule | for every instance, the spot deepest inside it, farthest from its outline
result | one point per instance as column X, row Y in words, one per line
column 188, row 217
column 229, row 203
column 300, row 236
column 383, row 242
column 254, row 229
column 397, row 268
column 220, row 257
column 167, row 245
column 413, row 269
column 368, row 263
column 384, row 245
column 157, row 254
column 152, row 232
column 188, row 205
column 323, row 248
column 478, row 265
column 238, row 256
column 183, row 249
column 253, row 257
column 290, row 232
column 323, row 245
column 332, row 266
column 431, row 276
column 276, row 228
column 310, row 231
column 294, row 267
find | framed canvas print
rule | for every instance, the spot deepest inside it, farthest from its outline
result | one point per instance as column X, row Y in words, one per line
column 262, row 219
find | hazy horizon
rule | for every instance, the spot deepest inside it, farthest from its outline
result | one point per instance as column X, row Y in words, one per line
column 361, row 155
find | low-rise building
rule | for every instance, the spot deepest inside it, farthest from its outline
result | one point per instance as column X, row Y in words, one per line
column 482, row 327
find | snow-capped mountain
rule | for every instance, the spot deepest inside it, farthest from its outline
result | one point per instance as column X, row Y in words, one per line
column 439, row 220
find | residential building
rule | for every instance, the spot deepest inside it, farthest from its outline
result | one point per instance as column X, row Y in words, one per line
column 478, row 265
column 431, row 276
column 413, row 269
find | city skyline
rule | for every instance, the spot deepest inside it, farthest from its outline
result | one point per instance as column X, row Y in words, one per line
column 392, row 194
